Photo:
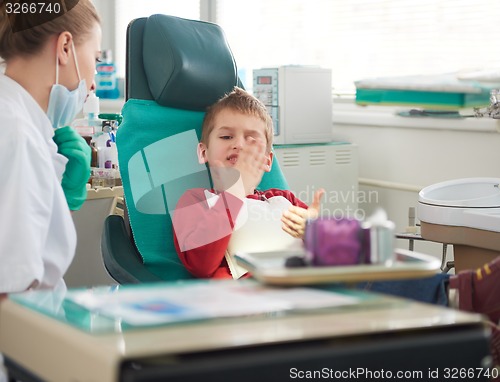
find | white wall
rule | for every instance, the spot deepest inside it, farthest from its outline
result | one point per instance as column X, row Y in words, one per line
column 106, row 10
column 415, row 156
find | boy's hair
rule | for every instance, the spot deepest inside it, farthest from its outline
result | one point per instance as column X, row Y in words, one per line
column 243, row 102
column 25, row 34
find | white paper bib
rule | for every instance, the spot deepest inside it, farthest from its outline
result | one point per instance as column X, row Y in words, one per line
column 257, row 229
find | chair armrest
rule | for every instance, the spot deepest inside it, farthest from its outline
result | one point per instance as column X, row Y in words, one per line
column 120, row 257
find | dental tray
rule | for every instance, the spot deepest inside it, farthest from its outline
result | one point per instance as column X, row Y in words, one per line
column 269, row 268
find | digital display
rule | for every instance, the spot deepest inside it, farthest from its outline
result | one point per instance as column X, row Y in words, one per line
column 264, row 80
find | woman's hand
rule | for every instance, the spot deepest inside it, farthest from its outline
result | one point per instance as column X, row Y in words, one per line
column 74, row 181
column 295, row 218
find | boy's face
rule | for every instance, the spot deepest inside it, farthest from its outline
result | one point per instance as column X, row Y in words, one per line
column 233, row 136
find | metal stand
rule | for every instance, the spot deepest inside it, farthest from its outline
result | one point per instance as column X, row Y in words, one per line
column 446, row 266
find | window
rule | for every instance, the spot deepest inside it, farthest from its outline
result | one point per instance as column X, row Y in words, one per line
column 363, row 38
column 355, row 38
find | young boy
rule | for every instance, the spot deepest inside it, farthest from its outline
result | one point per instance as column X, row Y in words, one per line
column 210, row 225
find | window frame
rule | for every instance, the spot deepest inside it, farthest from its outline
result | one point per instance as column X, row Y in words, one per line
column 107, row 11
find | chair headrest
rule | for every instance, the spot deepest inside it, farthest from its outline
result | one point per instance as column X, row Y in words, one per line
column 188, row 63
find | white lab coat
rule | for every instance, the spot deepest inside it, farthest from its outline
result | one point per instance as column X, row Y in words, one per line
column 37, row 233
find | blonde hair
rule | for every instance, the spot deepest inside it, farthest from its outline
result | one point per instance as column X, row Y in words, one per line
column 241, row 101
column 25, row 34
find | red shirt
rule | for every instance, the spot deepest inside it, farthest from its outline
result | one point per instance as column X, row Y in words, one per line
column 202, row 234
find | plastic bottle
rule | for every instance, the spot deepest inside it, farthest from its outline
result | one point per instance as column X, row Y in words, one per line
column 104, row 173
column 100, row 140
column 110, row 152
column 90, row 123
column 106, row 80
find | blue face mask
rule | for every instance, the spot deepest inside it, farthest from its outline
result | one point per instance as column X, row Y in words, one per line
column 64, row 104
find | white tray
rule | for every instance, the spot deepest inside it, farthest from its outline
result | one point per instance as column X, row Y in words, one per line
column 269, row 268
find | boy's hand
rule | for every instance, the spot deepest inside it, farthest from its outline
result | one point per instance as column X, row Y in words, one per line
column 227, row 179
column 294, row 220
column 246, row 174
column 252, row 162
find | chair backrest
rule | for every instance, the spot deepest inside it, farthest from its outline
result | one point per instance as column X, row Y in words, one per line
column 175, row 69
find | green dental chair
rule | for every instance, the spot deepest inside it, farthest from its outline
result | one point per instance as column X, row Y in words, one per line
column 175, row 69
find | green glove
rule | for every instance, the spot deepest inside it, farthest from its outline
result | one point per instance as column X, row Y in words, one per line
column 74, row 182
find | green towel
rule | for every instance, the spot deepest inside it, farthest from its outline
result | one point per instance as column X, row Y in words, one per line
column 158, row 163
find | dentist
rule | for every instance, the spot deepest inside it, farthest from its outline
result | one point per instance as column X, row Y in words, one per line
column 49, row 57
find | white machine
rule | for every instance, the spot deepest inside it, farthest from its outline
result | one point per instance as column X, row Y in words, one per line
column 299, row 100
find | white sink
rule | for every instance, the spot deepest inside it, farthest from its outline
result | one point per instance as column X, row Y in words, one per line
column 469, row 202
